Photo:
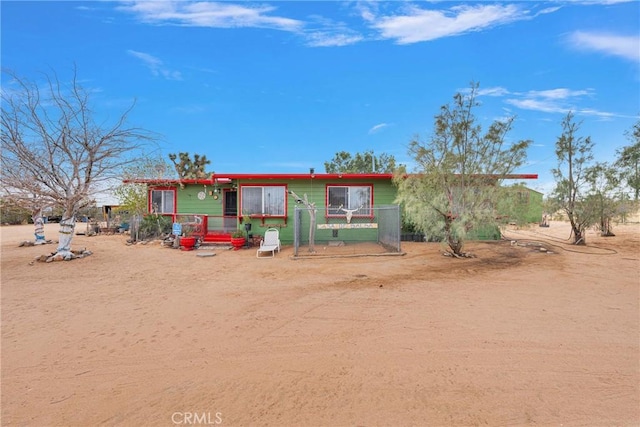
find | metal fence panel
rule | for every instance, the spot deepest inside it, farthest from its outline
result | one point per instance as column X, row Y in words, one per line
column 381, row 225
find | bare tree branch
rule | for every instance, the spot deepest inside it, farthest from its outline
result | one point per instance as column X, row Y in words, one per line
column 54, row 153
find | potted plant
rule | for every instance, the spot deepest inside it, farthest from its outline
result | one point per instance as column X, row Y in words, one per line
column 237, row 239
column 188, row 243
column 188, row 240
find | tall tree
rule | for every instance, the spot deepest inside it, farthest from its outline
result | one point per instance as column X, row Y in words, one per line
column 628, row 161
column 574, row 154
column 604, row 181
column 367, row 162
column 54, row 151
column 456, row 187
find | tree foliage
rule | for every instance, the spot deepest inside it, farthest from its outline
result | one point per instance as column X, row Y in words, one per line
column 12, row 213
column 628, row 161
column 367, row 162
column 133, row 195
column 604, row 195
column 574, row 154
column 54, row 152
column 154, row 226
column 455, row 188
column 188, row 168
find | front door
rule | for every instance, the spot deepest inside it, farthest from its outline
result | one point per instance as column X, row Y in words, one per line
column 230, row 209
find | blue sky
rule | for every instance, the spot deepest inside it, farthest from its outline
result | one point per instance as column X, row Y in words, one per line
column 281, row 86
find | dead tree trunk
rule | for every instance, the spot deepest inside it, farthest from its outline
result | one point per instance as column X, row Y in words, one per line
column 38, row 223
column 67, row 229
column 311, row 208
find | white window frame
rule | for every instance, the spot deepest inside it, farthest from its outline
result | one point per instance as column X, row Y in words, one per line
column 164, row 191
column 351, row 202
column 277, row 209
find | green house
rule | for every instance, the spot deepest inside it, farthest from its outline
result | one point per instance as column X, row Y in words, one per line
column 225, row 203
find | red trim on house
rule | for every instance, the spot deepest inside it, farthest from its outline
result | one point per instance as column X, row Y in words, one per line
column 168, row 181
column 262, row 177
column 338, row 184
column 291, row 176
column 378, row 176
column 150, row 199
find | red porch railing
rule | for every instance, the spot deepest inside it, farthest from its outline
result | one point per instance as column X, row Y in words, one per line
column 207, row 228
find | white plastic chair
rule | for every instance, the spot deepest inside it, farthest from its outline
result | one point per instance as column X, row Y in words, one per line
column 270, row 243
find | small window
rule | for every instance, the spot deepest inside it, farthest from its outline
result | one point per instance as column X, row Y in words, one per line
column 264, row 200
column 523, row 197
column 162, row 201
column 349, row 197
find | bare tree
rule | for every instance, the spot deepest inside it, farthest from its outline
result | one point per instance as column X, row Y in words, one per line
column 54, row 153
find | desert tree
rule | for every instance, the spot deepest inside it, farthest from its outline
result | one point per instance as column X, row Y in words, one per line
column 367, row 162
column 133, row 193
column 456, row 185
column 628, row 161
column 12, row 213
column 54, row 151
column 604, row 194
column 575, row 155
column 188, row 168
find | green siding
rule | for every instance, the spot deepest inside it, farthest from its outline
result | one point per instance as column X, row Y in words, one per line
column 384, row 193
column 315, row 189
column 534, row 213
column 188, row 201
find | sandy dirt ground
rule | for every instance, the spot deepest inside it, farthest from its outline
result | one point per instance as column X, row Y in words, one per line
column 144, row 335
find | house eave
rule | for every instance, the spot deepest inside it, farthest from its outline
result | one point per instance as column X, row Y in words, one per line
column 228, row 177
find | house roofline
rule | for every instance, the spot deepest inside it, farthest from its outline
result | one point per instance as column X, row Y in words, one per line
column 382, row 176
column 301, row 176
column 227, row 177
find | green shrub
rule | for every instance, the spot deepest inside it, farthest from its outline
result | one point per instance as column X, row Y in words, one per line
column 154, row 226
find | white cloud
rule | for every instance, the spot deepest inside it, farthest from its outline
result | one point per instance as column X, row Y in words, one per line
column 600, row 2
column 627, row 47
column 156, row 65
column 323, row 32
column 209, row 14
column 328, row 39
column 419, row 25
column 493, row 91
column 560, row 100
column 559, row 93
column 544, row 105
column 377, row 128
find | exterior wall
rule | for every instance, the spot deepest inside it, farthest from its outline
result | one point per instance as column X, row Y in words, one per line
column 315, row 189
column 534, row 213
column 212, row 205
column 384, row 193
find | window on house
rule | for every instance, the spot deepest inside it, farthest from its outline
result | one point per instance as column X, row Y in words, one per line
column 523, row 197
column 162, row 201
column 268, row 200
column 349, row 197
